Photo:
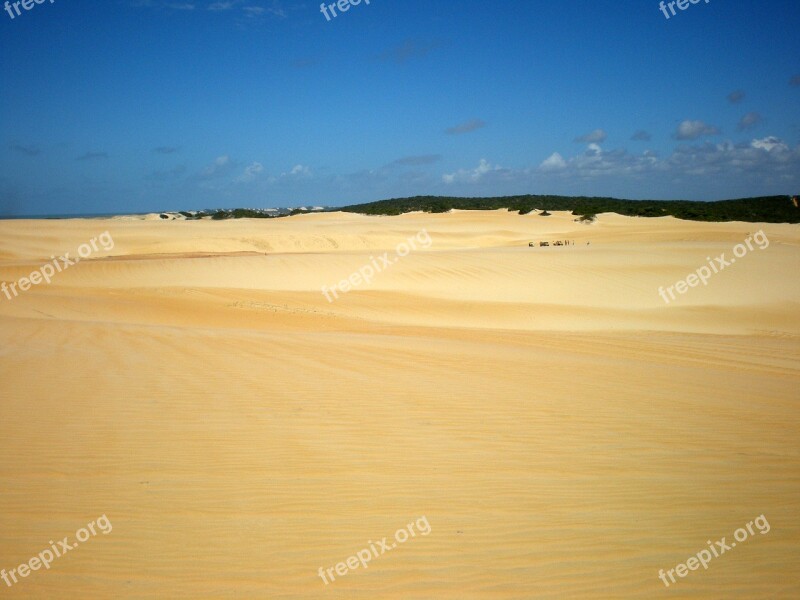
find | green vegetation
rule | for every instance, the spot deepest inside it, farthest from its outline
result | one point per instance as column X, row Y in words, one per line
column 767, row 209
column 238, row 213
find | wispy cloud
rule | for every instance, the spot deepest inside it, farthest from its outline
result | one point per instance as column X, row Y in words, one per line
column 222, row 166
column 472, row 175
column 218, row 6
column 641, row 136
column 417, row 161
column 26, row 150
column 598, row 136
column 298, row 171
column 93, row 156
column 304, row 63
column 251, row 172
column 247, row 8
column 467, row 127
column 795, row 80
column 164, row 4
column 736, row 96
column 408, row 50
column 749, row 121
column 167, row 175
column 691, row 130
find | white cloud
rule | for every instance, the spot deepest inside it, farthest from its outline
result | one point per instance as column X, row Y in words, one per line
column 249, row 9
column 220, row 167
column 473, row 175
column 596, row 162
column 162, row 4
column 702, row 169
column 298, row 171
column 691, row 130
column 251, row 172
column 554, row 162
column 219, row 162
column 768, row 157
column 769, row 144
column 221, row 6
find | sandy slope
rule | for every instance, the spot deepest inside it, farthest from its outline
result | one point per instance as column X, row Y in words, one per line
column 565, row 432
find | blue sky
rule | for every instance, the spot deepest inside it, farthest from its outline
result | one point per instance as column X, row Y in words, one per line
column 144, row 105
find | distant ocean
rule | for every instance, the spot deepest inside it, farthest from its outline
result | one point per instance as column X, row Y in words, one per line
column 75, row 216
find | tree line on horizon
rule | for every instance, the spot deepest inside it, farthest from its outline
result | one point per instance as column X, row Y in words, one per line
column 767, row 209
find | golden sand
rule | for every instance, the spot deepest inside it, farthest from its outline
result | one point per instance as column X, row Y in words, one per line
column 565, row 432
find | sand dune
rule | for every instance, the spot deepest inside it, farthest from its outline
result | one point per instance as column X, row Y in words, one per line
column 565, row 432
